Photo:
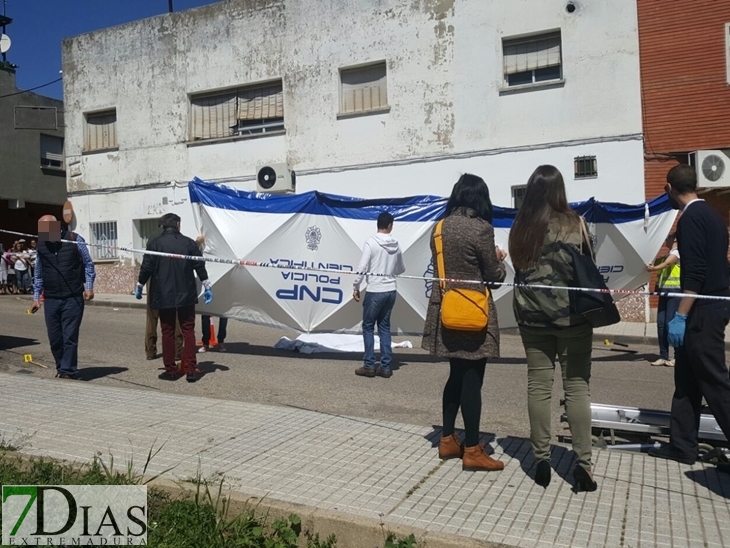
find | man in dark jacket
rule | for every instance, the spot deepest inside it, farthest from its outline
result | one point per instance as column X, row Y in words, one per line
column 62, row 269
column 174, row 293
column 697, row 331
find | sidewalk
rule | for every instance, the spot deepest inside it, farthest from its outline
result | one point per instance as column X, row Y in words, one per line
column 371, row 469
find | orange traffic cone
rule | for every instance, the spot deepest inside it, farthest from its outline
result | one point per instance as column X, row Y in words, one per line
column 213, row 341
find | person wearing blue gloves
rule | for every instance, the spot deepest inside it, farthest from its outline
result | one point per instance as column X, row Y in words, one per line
column 697, row 331
column 174, row 293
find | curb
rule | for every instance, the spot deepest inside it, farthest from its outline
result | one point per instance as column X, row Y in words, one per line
column 351, row 530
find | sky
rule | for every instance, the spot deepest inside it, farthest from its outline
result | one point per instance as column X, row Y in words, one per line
column 39, row 26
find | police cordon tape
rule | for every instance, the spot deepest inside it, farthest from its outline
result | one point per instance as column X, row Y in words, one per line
column 257, row 264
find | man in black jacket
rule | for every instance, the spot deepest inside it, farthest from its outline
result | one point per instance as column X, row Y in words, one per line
column 698, row 329
column 64, row 275
column 174, row 293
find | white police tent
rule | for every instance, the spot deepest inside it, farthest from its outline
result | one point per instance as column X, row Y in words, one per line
column 322, row 231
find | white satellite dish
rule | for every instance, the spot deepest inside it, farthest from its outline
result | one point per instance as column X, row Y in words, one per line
column 4, row 43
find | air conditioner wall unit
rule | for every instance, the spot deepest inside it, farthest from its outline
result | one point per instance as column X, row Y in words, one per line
column 275, row 179
column 713, row 168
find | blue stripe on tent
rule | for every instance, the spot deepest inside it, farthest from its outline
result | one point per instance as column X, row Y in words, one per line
column 411, row 209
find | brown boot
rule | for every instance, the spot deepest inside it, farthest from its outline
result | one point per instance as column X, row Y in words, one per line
column 450, row 447
column 476, row 460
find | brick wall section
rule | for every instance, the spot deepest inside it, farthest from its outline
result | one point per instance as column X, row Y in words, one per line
column 685, row 93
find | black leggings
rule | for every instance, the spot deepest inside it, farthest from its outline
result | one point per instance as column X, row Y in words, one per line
column 464, row 389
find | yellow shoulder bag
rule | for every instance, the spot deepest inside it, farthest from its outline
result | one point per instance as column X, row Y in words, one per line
column 461, row 309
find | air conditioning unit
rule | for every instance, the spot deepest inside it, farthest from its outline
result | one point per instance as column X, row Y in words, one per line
column 713, row 168
column 276, row 178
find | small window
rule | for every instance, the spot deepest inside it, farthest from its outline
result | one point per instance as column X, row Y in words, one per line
column 148, row 229
column 586, row 167
column 518, row 196
column 364, row 89
column 532, row 59
column 100, row 130
column 52, row 152
column 727, row 50
column 248, row 110
column 103, row 234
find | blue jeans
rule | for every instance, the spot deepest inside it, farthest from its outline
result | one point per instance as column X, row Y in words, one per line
column 22, row 280
column 665, row 313
column 63, row 321
column 376, row 308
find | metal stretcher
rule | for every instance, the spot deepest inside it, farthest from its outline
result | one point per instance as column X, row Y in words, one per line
column 641, row 424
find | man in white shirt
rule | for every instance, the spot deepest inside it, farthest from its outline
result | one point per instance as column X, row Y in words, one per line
column 382, row 258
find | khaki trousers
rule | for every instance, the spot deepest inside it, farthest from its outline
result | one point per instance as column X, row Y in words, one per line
column 571, row 347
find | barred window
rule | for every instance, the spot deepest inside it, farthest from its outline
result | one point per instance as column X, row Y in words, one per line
column 518, row 196
column 148, row 229
column 100, row 130
column 586, row 167
column 364, row 89
column 244, row 111
column 103, row 234
column 52, row 152
column 532, row 59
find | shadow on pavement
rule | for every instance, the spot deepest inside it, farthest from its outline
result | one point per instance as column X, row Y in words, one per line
column 7, row 342
column 558, row 456
column 93, row 373
column 211, row 367
column 712, row 480
column 399, row 358
column 434, row 437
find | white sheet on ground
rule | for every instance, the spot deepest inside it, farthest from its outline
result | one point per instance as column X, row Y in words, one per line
column 331, row 342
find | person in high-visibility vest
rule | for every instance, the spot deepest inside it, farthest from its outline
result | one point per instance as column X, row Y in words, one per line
column 668, row 281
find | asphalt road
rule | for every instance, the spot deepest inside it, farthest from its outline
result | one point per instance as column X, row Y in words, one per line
column 112, row 353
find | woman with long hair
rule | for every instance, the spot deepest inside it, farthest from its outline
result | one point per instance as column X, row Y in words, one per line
column 543, row 228
column 469, row 253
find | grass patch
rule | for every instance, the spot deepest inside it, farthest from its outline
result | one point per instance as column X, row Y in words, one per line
column 200, row 519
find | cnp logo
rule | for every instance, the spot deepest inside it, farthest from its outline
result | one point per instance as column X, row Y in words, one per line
column 76, row 515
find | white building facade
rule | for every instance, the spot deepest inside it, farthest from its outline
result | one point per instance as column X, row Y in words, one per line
column 368, row 98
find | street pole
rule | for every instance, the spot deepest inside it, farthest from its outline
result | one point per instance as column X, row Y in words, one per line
column 169, row 4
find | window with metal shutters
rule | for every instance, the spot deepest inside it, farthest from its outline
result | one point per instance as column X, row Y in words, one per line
column 52, row 152
column 244, row 111
column 586, row 167
column 518, row 195
column 100, row 130
column 364, row 89
column 148, row 229
column 104, row 238
column 532, row 59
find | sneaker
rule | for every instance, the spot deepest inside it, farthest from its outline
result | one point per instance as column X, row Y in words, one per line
column 221, row 347
column 660, row 362
column 385, row 373
column 670, row 453
column 365, row 372
column 203, row 349
column 669, row 363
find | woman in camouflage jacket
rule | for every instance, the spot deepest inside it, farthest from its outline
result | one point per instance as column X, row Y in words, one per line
column 539, row 242
column 469, row 254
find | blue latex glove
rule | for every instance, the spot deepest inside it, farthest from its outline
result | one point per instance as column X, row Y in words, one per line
column 677, row 327
column 138, row 292
column 208, row 296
